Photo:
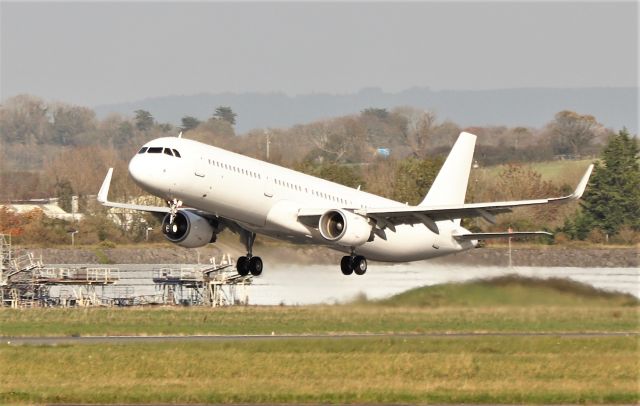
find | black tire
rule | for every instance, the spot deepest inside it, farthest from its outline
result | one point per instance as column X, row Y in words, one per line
column 243, row 266
column 255, row 266
column 360, row 265
column 346, row 265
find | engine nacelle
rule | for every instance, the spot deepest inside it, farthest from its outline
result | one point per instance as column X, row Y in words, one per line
column 188, row 230
column 344, row 228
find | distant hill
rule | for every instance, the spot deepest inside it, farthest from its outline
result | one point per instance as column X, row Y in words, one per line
column 510, row 290
column 533, row 107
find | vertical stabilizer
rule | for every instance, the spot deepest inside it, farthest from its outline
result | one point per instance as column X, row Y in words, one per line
column 450, row 186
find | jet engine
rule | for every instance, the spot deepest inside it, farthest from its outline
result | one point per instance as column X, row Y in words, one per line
column 188, row 230
column 344, row 228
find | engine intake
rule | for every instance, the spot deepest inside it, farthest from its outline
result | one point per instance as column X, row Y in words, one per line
column 188, row 230
column 344, row 228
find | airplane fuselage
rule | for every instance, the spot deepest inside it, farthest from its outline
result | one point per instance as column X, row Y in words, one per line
column 266, row 199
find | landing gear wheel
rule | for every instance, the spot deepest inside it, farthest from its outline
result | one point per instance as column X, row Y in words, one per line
column 359, row 265
column 243, row 266
column 255, row 266
column 346, row 265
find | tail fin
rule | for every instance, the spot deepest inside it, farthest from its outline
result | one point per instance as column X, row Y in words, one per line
column 450, row 186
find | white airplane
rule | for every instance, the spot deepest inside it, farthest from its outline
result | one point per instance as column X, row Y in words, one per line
column 209, row 189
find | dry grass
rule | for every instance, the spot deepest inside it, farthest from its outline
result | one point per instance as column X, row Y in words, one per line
column 500, row 305
column 559, row 172
column 480, row 369
column 458, row 370
column 317, row 320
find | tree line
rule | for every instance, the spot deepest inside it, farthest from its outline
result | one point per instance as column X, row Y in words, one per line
column 56, row 149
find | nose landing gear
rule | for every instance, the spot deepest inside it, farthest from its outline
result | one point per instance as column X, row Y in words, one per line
column 174, row 206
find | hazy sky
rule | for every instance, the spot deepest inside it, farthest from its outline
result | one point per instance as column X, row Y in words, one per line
column 94, row 53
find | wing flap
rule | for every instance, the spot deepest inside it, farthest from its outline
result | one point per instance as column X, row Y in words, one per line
column 486, row 236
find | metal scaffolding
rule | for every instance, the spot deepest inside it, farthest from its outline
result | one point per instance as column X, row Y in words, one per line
column 214, row 285
column 26, row 282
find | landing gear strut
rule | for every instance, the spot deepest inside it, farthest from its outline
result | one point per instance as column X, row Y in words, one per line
column 174, row 206
column 353, row 264
column 249, row 264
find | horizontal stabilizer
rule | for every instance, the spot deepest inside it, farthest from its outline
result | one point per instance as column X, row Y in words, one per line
column 486, row 236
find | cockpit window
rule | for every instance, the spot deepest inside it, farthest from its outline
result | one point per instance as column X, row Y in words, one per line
column 176, row 153
column 142, row 150
column 168, row 151
column 155, row 150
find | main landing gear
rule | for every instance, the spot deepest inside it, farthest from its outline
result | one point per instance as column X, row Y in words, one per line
column 353, row 264
column 249, row 264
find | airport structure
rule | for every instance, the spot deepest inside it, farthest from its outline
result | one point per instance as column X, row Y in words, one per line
column 26, row 282
column 215, row 285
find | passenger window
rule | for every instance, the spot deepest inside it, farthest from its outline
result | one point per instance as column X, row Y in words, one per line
column 142, row 150
column 155, row 150
column 176, row 153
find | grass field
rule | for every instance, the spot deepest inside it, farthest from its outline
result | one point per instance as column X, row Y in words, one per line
column 375, row 370
column 508, row 304
column 560, row 172
column 480, row 369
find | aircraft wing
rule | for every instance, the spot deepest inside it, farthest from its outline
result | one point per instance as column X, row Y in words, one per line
column 159, row 211
column 104, row 192
column 428, row 215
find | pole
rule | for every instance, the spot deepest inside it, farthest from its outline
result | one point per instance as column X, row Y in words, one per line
column 510, row 262
column 268, row 135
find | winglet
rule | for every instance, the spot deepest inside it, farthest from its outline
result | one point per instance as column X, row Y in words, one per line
column 583, row 183
column 104, row 189
column 577, row 194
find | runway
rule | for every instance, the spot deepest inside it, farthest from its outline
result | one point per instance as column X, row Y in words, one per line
column 223, row 338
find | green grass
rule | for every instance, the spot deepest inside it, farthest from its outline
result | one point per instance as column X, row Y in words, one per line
column 559, row 172
column 511, row 290
column 372, row 370
column 508, row 304
column 412, row 369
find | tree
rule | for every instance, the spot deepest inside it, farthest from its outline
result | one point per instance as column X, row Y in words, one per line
column 418, row 130
column 70, row 121
column 515, row 182
column 225, row 113
column 124, row 134
column 414, row 177
column 24, row 119
column 573, row 133
column 189, row 123
column 64, row 193
column 144, row 120
column 382, row 114
column 342, row 174
column 613, row 196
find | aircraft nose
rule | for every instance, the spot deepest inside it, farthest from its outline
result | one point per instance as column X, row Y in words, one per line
column 138, row 171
